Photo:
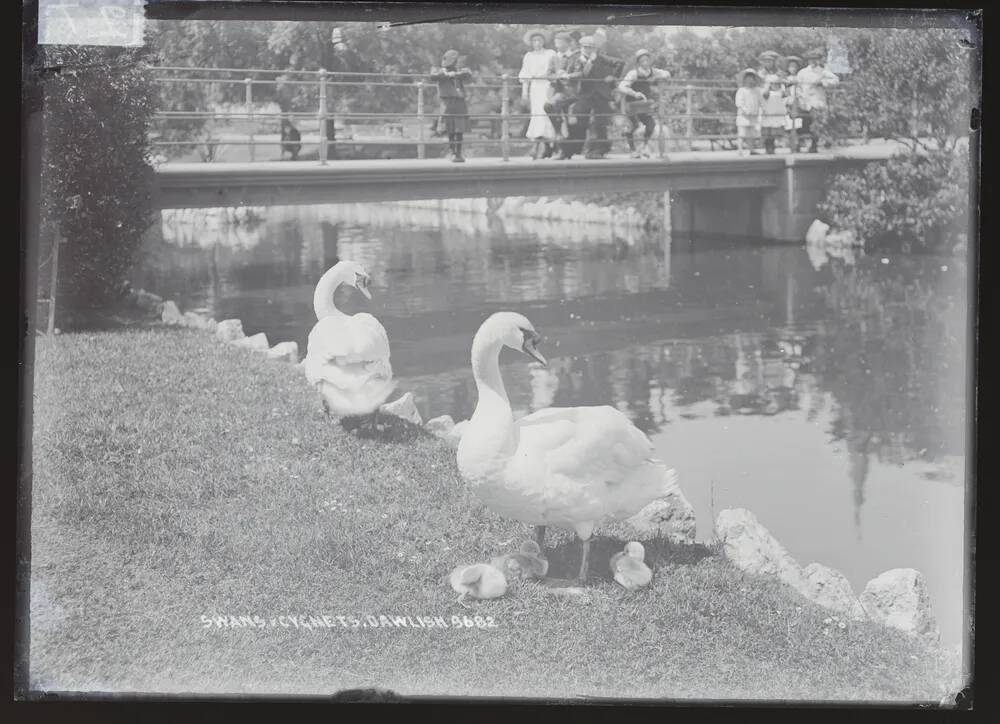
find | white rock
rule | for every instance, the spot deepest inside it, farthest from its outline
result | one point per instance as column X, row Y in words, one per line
column 257, row 342
column 285, row 352
column 899, row 598
column 671, row 517
column 440, row 426
column 752, row 548
column 171, row 314
column 830, row 589
column 404, row 407
column 816, row 232
column 229, row 330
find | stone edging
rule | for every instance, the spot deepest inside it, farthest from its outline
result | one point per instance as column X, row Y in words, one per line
column 896, row 598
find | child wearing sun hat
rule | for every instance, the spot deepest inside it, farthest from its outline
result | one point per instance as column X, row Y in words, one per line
column 749, row 102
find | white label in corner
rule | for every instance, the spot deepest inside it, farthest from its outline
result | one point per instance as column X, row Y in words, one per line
column 91, row 22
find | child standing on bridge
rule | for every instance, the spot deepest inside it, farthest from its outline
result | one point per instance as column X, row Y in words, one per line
column 749, row 102
column 638, row 84
column 454, row 109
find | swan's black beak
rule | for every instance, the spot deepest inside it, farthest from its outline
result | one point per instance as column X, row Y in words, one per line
column 530, row 340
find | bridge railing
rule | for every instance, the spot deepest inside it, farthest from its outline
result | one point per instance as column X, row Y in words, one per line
column 689, row 115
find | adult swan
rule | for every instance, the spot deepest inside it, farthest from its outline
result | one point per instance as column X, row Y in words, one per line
column 347, row 359
column 572, row 467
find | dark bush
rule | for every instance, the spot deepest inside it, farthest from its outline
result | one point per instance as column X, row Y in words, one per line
column 919, row 200
column 96, row 179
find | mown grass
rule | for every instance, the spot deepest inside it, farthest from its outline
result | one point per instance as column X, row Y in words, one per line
column 176, row 477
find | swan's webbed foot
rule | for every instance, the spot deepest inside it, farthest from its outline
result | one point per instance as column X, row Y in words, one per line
column 372, row 426
column 322, row 400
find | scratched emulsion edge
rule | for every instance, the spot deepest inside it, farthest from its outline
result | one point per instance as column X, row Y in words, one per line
column 130, row 30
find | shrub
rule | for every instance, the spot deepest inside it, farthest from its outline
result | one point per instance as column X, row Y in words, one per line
column 96, row 180
column 911, row 200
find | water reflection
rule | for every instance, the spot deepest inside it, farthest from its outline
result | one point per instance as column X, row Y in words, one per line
column 827, row 397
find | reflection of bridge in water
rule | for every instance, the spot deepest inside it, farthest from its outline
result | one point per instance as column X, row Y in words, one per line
column 714, row 192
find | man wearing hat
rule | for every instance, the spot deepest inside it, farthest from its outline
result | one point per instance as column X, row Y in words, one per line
column 562, row 95
column 591, row 76
column 812, row 82
column 454, row 108
column 638, row 85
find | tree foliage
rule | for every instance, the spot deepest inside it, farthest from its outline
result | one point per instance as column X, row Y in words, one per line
column 96, row 181
column 915, row 200
column 908, row 80
column 915, row 86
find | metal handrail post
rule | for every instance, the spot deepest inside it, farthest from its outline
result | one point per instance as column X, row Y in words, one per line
column 322, row 117
column 661, row 112
column 689, row 111
column 248, row 83
column 421, row 148
column 793, row 134
column 505, row 118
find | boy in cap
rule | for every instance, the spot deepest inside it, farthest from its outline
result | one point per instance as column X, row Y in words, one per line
column 562, row 96
column 812, row 82
column 454, row 109
column 768, row 64
column 638, row 84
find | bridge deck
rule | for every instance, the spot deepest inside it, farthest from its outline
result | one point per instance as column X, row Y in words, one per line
column 202, row 185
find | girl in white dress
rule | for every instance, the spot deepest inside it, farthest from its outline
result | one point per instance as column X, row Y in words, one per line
column 538, row 63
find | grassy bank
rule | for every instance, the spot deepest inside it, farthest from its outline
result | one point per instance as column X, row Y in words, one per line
column 176, row 477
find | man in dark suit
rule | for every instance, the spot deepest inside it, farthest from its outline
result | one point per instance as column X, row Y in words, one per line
column 590, row 77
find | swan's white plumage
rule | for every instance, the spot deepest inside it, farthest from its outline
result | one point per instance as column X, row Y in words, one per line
column 347, row 357
column 570, row 467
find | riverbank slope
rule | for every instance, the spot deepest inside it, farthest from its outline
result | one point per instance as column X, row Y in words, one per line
column 176, row 477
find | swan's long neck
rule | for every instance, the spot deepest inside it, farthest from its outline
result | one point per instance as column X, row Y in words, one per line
column 323, row 303
column 493, row 400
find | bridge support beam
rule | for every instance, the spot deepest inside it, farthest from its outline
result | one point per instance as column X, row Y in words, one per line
column 790, row 207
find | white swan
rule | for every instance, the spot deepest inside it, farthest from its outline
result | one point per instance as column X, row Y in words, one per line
column 347, row 358
column 571, row 467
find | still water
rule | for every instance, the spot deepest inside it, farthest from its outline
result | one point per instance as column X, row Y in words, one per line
column 827, row 395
